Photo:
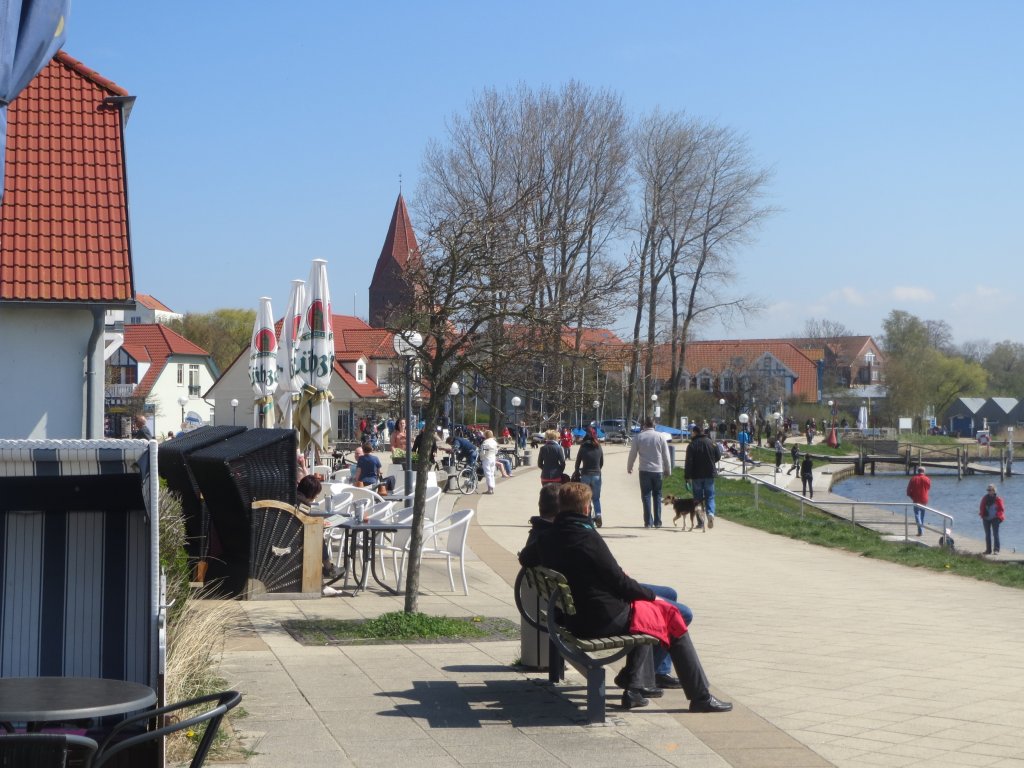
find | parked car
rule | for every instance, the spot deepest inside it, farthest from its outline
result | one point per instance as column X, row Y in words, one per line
column 619, row 425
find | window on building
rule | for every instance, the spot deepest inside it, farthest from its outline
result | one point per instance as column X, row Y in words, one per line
column 728, row 382
column 705, row 381
column 181, row 374
column 193, row 380
column 869, row 358
column 361, row 371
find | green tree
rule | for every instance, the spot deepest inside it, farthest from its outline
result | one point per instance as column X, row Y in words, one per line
column 224, row 333
column 1005, row 367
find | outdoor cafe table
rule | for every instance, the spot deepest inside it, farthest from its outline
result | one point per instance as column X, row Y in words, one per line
column 40, row 700
column 361, row 540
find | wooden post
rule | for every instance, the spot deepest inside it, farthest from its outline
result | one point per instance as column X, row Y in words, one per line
column 959, row 465
column 1002, row 463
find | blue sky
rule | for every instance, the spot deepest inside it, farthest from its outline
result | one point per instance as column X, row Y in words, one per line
column 264, row 138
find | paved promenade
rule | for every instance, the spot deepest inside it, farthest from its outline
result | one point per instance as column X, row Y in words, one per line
column 830, row 659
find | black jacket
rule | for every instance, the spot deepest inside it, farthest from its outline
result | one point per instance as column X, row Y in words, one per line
column 590, row 457
column 601, row 590
column 551, row 460
column 702, row 456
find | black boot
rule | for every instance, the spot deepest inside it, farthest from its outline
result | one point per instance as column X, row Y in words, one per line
column 633, row 699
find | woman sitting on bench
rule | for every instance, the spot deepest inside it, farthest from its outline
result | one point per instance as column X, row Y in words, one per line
column 604, row 596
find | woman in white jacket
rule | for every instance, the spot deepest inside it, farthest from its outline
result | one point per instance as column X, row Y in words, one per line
column 488, row 458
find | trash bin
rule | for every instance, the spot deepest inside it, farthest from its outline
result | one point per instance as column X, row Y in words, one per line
column 672, row 455
column 526, row 457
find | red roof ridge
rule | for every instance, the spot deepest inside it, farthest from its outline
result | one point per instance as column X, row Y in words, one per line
column 90, row 74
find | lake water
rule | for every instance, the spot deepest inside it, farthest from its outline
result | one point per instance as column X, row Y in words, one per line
column 959, row 498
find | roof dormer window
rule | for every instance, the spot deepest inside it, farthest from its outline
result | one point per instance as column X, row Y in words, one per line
column 361, row 371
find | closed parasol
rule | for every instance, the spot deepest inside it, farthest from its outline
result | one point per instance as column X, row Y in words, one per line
column 263, row 365
column 289, row 383
column 316, row 362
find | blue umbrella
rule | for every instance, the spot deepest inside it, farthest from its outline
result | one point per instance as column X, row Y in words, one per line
column 31, row 32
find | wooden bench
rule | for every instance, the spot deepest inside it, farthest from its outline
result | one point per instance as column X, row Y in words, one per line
column 546, row 611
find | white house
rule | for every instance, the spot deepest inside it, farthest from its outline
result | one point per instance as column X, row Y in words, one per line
column 147, row 310
column 65, row 253
column 366, row 379
column 166, row 371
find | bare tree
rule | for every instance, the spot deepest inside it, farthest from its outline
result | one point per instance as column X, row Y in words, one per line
column 823, row 328
column 701, row 200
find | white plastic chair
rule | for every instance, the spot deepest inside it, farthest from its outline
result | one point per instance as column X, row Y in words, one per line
column 448, row 539
column 323, row 470
column 431, row 504
column 397, row 545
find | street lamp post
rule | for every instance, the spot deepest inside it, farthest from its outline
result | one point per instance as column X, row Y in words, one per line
column 406, row 344
column 655, row 411
column 182, row 401
column 597, row 413
column 833, row 434
column 453, row 391
column 516, row 402
column 234, row 411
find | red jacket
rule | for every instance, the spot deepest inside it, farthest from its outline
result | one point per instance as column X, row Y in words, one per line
column 658, row 618
column 1000, row 509
column 918, row 487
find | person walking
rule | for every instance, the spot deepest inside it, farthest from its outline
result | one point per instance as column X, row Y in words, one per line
column 778, row 455
column 566, row 441
column 794, row 455
column 589, row 462
column 700, row 468
column 917, row 490
column 807, row 475
column 992, row 512
column 551, row 458
column 655, row 462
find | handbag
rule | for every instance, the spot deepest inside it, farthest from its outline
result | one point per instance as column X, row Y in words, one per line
column 575, row 476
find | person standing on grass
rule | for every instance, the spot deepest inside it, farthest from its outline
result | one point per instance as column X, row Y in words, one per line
column 992, row 512
column 807, row 475
column 778, row 455
column 917, row 489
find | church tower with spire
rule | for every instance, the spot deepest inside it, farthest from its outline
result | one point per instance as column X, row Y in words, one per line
column 390, row 290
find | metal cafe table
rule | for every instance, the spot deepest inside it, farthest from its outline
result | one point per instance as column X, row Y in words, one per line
column 361, row 544
column 40, row 700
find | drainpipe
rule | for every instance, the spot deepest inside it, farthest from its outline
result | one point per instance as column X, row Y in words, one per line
column 91, row 373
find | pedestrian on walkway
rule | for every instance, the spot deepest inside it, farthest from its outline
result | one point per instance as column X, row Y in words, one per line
column 567, row 442
column 917, row 490
column 551, row 458
column 807, row 475
column 778, row 455
column 655, row 462
column 589, row 462
column 992, row 512
column 794, row 454
column 700, row 468
column 489, row 458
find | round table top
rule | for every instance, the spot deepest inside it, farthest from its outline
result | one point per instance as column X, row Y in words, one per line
column 57, row 699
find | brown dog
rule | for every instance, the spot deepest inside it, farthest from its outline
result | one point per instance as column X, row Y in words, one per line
column 695, row 509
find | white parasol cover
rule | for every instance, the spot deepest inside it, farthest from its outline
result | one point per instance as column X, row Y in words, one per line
column 263, row 365
column 315, row 362
column 289, row 383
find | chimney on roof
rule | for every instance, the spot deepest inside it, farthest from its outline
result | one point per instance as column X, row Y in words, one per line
column 390, row 291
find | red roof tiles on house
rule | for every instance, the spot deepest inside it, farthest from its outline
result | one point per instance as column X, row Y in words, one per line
column 150, row 302
column 64, row 215
column 154, row 344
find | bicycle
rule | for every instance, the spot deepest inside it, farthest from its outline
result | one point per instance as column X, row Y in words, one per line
column 468, row 475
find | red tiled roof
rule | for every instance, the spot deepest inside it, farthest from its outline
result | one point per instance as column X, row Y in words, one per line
column 154, row 343
column 367, row 388
column 64, row 216
column 152, row 303
column 719, row 356
column 371, row 342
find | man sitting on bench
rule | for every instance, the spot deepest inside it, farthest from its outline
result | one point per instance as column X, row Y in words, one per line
column 604, row 595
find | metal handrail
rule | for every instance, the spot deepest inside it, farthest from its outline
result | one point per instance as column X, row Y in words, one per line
column 822, row 505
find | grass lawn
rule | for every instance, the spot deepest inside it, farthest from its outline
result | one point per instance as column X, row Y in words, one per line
column 779, row 514
column 399, row 627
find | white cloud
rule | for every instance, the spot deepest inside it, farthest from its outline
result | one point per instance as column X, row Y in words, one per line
column 911, row 293
column 846, row 295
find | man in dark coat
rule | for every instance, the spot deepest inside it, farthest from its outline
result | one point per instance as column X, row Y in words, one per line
column 702, row 457
column 604, row 594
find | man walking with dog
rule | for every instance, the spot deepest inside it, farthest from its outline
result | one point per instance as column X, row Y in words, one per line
column 655, row 462
column 702, row 457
